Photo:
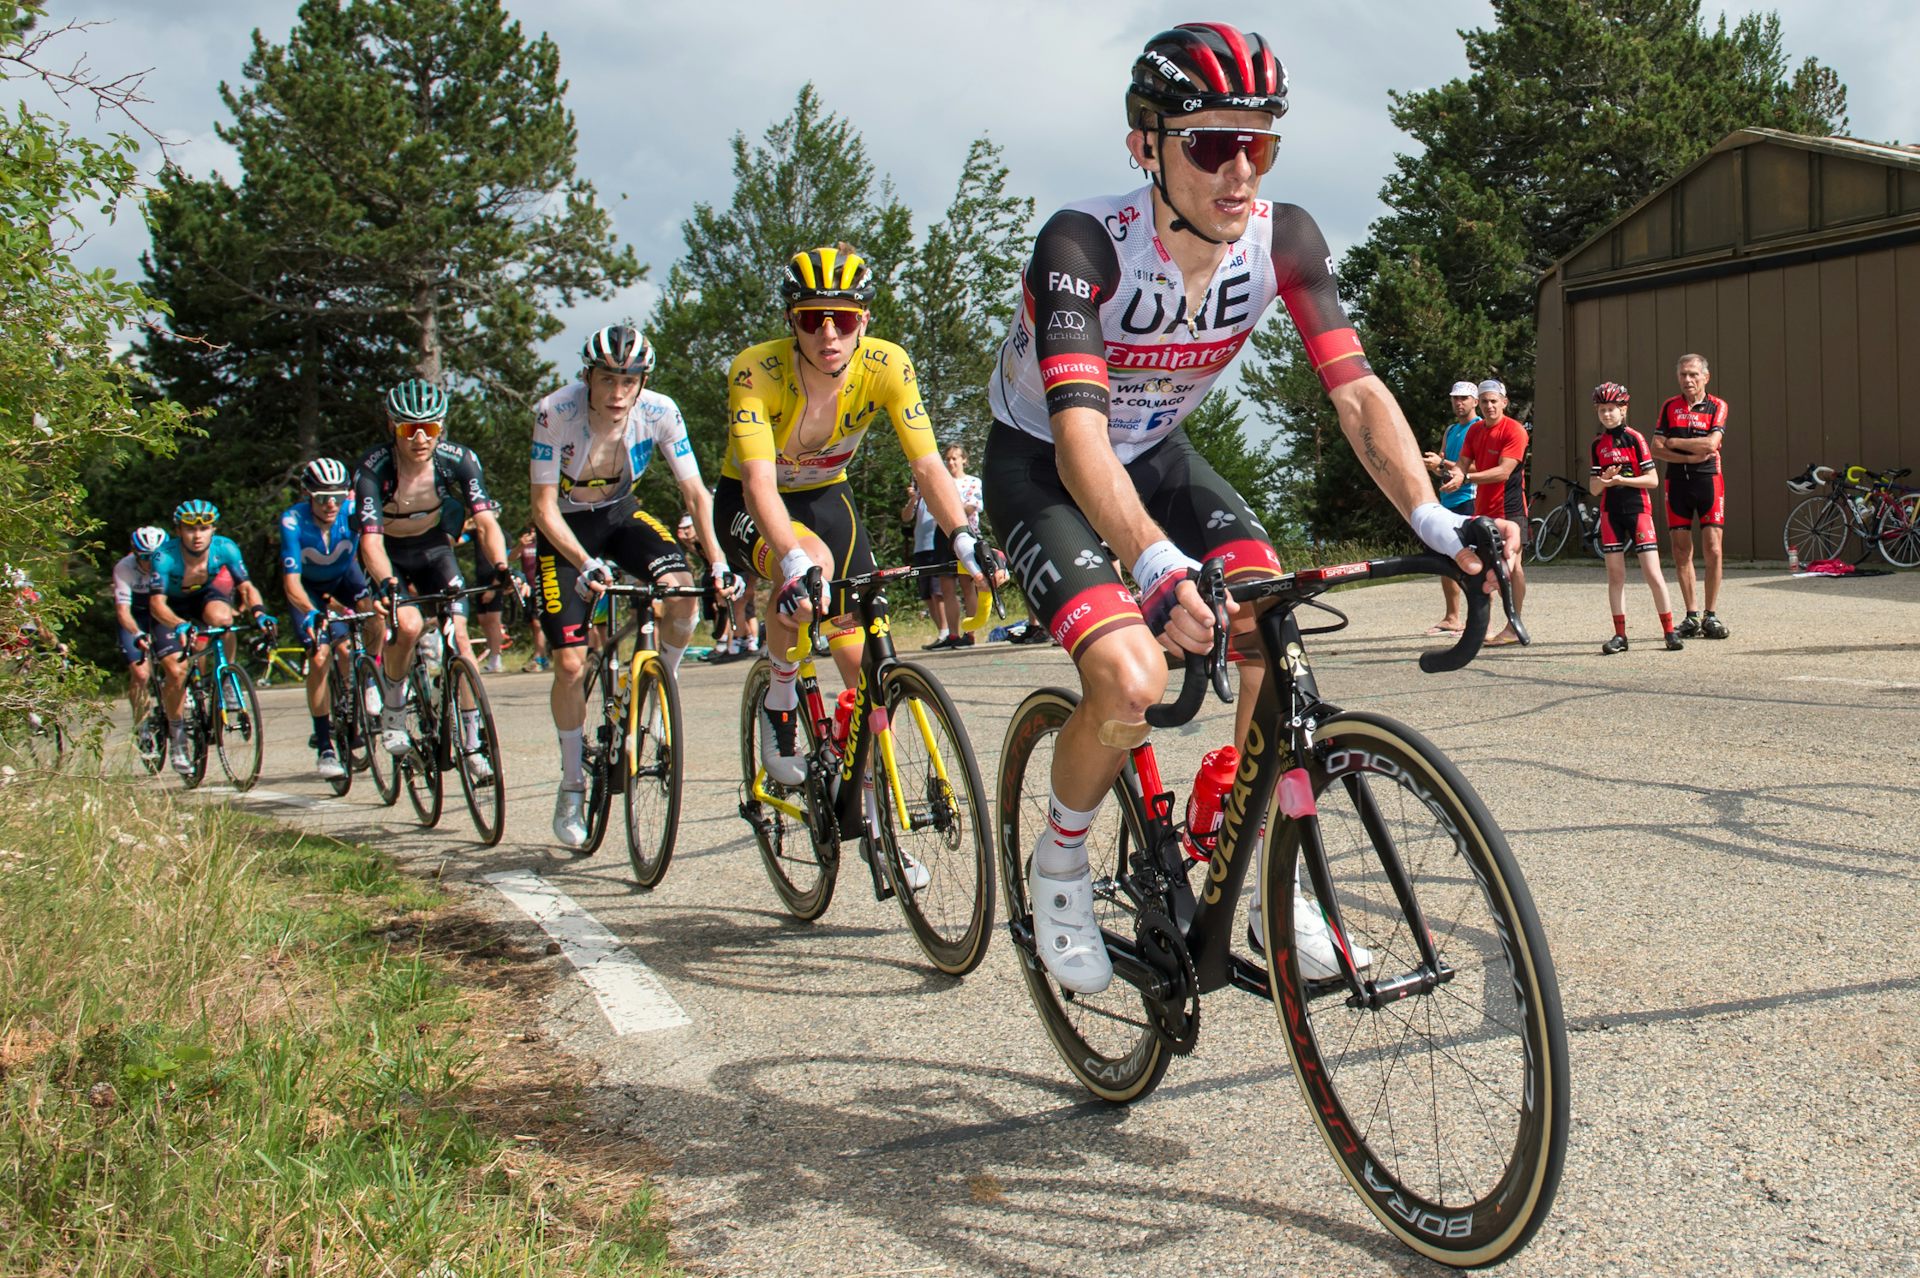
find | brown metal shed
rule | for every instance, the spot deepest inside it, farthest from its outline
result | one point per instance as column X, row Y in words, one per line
column 1793, row 264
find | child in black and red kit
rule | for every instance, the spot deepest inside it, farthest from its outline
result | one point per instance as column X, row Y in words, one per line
column 1623, row 479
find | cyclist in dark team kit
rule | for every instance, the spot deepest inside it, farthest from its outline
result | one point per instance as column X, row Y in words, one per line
column 1133, row 306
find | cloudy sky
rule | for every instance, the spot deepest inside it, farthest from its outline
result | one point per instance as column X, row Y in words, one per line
column 657, row 90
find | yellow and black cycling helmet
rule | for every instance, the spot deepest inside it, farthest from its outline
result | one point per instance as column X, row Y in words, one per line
column 835, row 274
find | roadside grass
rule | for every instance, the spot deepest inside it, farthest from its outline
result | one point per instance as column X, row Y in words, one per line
column 226, row 1049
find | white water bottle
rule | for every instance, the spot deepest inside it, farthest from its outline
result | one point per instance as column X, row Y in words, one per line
column 1793, row 559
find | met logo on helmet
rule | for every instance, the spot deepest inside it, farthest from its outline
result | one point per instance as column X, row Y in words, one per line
column 1166, row 66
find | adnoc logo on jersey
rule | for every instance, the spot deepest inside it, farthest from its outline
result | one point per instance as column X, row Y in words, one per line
column 1071, row 321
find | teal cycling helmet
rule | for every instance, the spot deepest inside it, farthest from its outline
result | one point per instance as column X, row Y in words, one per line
column 415, row 400
column 196, row 511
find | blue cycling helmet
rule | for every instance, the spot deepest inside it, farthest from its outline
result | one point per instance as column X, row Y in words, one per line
column 196, row 511
column 147, row 539
column 415, row 400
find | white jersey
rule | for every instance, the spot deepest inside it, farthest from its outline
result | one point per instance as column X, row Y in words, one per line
column 563, row 447
column 132, row 586
column 1104, row 322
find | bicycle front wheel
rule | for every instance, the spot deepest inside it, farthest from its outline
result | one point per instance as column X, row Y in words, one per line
column 1897, row 531
column 942, row 842
column 1818, row 528
column 801, row 870
column 467, row 719
column 238, row 734
column 652, row 742
column 1555, row 528
column 1107, row 1039
column 420, row 766
column 383, row 767
column 1446, row 1105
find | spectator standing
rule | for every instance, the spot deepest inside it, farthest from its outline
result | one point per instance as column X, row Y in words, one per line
column 1687, row 437
column 530, row 571
column 927, row 553
column 1623, row 479
column 1490, row 461
column 960, row 594
column 1466, row 403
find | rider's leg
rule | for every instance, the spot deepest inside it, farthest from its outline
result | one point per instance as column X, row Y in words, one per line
column 319, row 698
column 1683, row 565
column 677, row 619
column 783, row 631
column 1711, row 537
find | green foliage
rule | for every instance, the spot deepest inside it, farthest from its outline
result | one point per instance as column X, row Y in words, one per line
column 1573, row 111
column 408, row 205
column 67, row 405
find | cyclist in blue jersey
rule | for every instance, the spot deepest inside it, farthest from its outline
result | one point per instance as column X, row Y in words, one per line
column 198, row 578
column 1441, row 465
column 317, row 542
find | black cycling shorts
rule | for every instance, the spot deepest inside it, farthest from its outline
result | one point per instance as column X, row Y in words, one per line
column 621, row 534
column 826, row 512
column 1693, row 496
column 427, row 565
column 1072, row 586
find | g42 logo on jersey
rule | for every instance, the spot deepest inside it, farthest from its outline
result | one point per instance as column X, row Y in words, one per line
column 1118, row 223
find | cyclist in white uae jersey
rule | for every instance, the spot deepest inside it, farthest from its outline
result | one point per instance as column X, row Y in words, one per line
column 1133, row 306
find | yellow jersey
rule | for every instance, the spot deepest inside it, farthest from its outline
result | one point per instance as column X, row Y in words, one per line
column 765, row 403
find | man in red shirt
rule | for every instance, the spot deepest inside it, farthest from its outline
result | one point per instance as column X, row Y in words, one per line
column 1490, row 461
column 1687, row 437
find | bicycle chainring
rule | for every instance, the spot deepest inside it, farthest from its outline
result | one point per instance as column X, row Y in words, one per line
column 1176, row 1018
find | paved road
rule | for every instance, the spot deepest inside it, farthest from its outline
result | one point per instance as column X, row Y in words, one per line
column 1721, row 841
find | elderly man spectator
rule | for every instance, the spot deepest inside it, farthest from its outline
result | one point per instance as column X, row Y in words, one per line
column 1490, row 461
column 1460, row 501
column 1687, row 437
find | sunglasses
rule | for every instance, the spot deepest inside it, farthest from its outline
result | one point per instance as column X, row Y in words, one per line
column 1209, row 150
column 407, row 430
column 845, row 319
column 328, row 494
column 197, row 521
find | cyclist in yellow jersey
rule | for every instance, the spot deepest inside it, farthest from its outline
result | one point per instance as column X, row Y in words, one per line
column 799, row 407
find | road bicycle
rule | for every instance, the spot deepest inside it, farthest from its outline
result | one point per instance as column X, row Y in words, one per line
column 150, row 735
column 222, row 707
column 1873, row 509
column 1435, row 1063
column 636, row 746
column 895, row 772
column 1551, row 531
column 451, row 723
column 355, row 722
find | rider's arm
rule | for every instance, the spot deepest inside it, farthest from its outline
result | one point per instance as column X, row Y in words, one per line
column 769, row 510
column 163, row 614
column 493, row 541
column 553, row 527
column 670, row 433
column 1371, row 419
column 123, row 613
column 751, row 448
column 699, row 504
column 373, row 553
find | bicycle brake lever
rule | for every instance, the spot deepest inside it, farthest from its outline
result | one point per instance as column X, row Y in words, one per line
column 1213, row 586
column 814, row 597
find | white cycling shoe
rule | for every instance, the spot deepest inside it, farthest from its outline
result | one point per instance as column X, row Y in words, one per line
column 1312, row 940
column 479, row 770
column 329, row 766
column 394, row 737
column 1065, row 933
column 916, row 874
column 570, row 818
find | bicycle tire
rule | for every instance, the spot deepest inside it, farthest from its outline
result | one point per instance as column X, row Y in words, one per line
column 343, row 726
column 952, row 916
column 1107, row 1040
column 1818, row 528
column 486, row 800
column 151, row 738
column 420, row 766
column 597, row 752
column 1470, row 1186
column 199, row 733
column 802, row 870
column 239, row 724
column 652, row 774
column 1555, row 527
column 1896, row 533
column 381, row 766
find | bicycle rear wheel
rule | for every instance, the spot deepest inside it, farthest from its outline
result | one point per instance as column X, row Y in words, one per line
column 1818, row 528
column 237, row 731
column 420, row 766
column 345, row 725
column 945, row 836
column 1446, row 1107
column 652, row 735
column 199, row 731
column 1555, row 528
column 368, row 698
column 800, row 868
column 1897, row 531
column 1107, row 1039
column 599, row 750
column 486, row 799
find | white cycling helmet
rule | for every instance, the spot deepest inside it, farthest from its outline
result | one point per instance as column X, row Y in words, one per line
column 147, row 539
column 324, row 475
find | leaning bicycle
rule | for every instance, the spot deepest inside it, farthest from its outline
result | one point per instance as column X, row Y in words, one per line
column 450, row 721
column 1874, row 511
column 1550, row 532
column 1434, row 1060
column 893, row 770
column 636, row 746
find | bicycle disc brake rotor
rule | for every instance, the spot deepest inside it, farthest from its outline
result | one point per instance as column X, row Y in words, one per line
column 1176, row 1017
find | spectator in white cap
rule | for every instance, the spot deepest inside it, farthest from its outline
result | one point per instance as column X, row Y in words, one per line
column 1490, row 461
column 1460, row 501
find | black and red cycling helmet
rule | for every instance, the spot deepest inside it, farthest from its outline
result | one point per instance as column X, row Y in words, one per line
column 1611, row 393
column 1206, row 66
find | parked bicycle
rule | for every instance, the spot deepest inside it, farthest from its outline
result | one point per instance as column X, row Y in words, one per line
column 1551, row 531
column 222, row 706
column 893, row 770
column 1872, row 511
column 451, row 723
column 636, row 745
column 1435, row 1062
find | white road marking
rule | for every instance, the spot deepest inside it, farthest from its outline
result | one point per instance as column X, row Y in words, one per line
column 629, row 993
column 278, row 798
column 1853, row 683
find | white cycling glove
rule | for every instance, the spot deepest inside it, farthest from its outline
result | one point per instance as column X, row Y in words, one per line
column 1158, row 572
column 591, row 571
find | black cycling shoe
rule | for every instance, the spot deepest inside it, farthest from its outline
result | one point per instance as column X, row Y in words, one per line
column 1711, row 627
column 938, row 645
column 1673, row 642
column 1690, row 627
column 1618, row 643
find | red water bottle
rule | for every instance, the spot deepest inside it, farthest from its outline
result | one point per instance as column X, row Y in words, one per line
column 843, row 714
column 1210, row 786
